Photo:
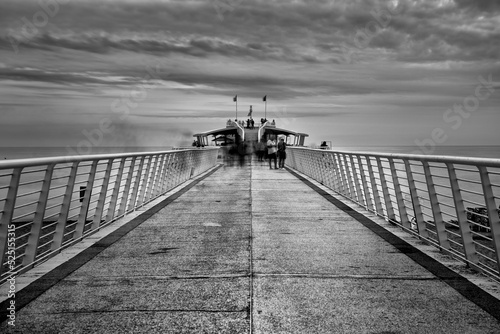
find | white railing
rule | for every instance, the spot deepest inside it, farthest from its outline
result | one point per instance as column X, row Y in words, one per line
column 240, row 130
column 47, row 204
column 261, row 128
column 451, row 202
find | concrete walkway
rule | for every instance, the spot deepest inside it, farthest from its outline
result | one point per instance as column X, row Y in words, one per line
column 252, row 250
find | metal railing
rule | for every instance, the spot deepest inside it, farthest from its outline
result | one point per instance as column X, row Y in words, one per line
column 47, row 204
column 450, row 202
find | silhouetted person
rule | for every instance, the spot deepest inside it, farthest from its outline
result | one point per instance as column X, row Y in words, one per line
column 261, row 149
column 281, row 153
column 242, row 151
column 232, row 152
column 271, row 151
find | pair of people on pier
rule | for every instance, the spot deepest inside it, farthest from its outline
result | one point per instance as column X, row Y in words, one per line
column 276, row 150
column 250, row 123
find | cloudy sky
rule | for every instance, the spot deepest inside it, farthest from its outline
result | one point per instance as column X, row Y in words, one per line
column 153, row 72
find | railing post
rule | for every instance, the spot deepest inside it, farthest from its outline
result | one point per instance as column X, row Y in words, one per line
column 349, row 178
column 172, row 167
column 385, row 190
column 366, row 189
column 133, row 197
column 161, row 176
column 333, row 172
column 330, row 170
column 297, row 156
column 96, row 221
column 166, row 173
column 62, row 220
column 403, row 215
column 82, row 218
column 308, row 164
column 185, row 165
column 151, row 177
column 341, row 169
column 417, row 207
column 182, row 171
column 320, row 168
column 8, row 211
column 177, row 170
column 116, row 191
column 356, row 177
column 36, row 227
column 375, row 191
column 189, row 165
column 145, row 180
column 126, row 190
column 491, row 207
column 436, row 211
column 465, row 232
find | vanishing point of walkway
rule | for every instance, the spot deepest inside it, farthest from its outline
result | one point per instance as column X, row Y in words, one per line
column 251, row 250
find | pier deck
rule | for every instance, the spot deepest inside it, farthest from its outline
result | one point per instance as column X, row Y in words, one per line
column 253, row 250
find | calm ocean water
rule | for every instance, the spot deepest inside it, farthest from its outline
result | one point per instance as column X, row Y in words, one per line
column 491, row 151
column 39, row 152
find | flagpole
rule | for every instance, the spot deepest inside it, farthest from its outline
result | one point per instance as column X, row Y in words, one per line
column 265, row 108
column 235, row 99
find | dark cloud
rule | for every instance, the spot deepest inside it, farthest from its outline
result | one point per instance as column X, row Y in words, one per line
column 202, row 83
column 479, row 5
column 201, row 47
column 297, row 31
column 27, row 74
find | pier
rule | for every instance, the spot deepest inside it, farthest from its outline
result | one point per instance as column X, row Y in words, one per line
column 245, row 250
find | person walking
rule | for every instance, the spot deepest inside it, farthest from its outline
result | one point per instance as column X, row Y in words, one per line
column 261, row 149
column 271, row 151
column 281, row 153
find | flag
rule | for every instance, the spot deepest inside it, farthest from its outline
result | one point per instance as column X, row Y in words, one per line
column 264, row 98
column 250, row 112
column 235, row 98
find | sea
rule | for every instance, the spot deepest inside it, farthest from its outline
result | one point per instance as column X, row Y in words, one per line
column 42, row 152
column 473, row 151
column 487, row 151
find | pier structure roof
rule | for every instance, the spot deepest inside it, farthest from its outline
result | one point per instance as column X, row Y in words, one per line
column 216, row 132
column 281, row 131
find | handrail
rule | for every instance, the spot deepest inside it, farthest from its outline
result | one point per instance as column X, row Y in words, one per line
column 47, row 204
column 31, row 162
column 450, row 202
column 424, row 157
column 260, row 128
column 241, row 130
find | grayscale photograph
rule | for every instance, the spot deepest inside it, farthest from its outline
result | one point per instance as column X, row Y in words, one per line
column 250, row 166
